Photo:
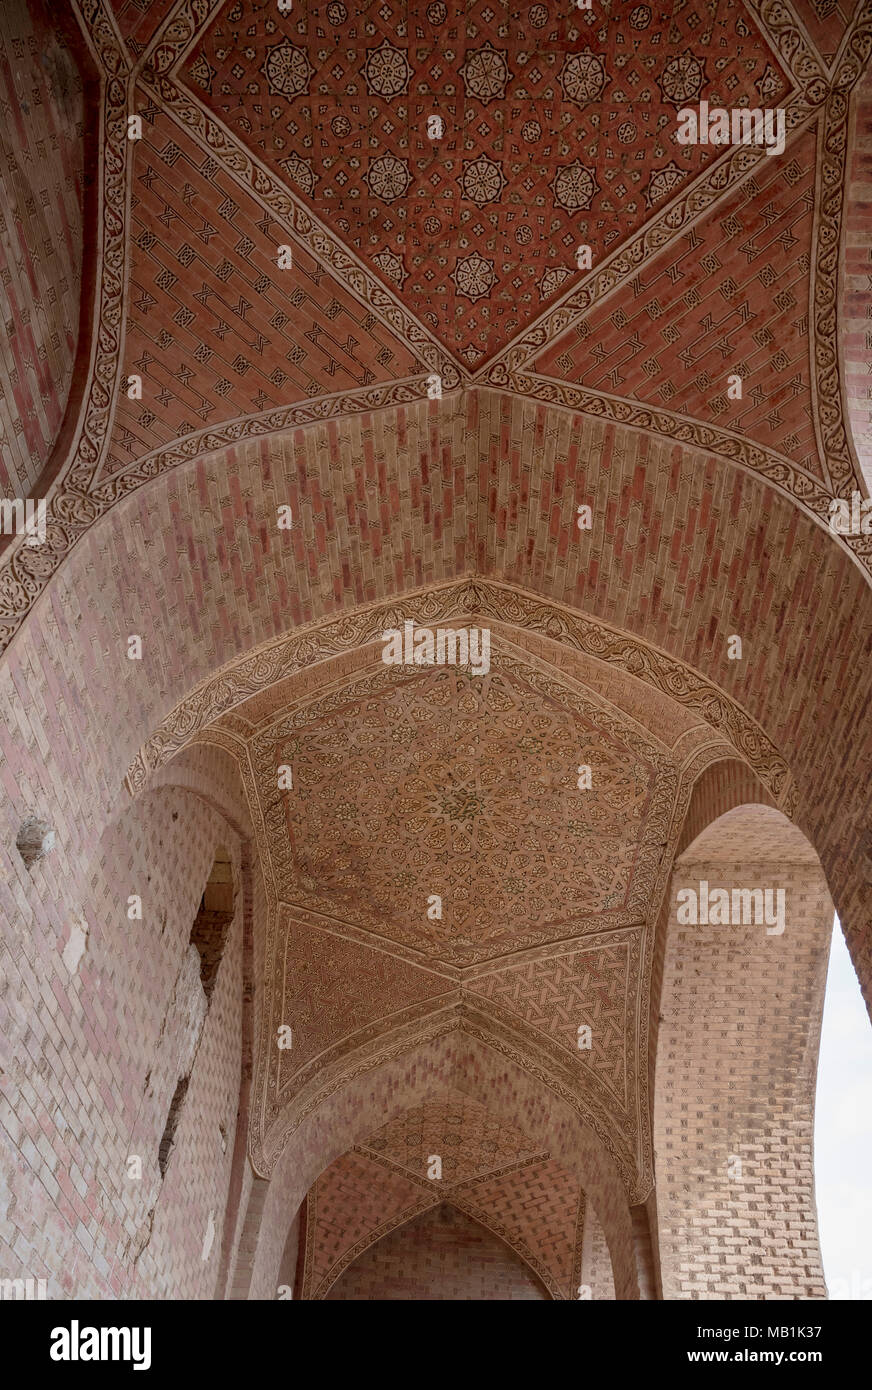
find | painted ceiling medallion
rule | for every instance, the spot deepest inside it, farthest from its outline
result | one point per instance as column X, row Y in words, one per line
column 574, row 187
column 583, row 78
column 387, row 72
column 482, row 180
column 474, row 277
column 301, row 173
column 664, row 182
column 552, row 280
column 287, row 70
column 391, row 267
column 683, row 78
column 486, row 73
column 388, row 178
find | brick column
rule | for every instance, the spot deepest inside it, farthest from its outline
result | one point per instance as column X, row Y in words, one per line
column 736, row 1067
column 596, row 1262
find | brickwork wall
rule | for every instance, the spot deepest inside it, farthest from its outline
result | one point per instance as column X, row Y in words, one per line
column 90, row 1062
column 440, row 1255
column 596, row 1262
column 736, row 1068
column 41, row 193
column 720, row 788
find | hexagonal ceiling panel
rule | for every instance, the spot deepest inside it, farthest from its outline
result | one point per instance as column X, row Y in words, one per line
column 445, row 785
column 464, row 151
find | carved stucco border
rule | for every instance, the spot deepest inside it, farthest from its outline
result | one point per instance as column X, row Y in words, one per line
column 24, row 569
column 477, row 598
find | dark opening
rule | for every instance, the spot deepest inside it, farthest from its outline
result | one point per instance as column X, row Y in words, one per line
column 172, row 1124
column 212, row 922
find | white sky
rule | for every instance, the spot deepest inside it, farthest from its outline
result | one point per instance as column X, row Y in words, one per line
column 843, row 1131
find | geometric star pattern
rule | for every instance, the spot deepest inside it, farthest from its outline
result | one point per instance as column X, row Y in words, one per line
column 732, row 295
column 463, row 788
column 336, row 101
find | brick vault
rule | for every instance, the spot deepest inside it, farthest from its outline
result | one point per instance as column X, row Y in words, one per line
column 324, row 976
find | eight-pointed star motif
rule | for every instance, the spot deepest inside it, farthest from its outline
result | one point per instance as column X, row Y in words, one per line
column 683, row 78
column 583, row 78
column 486, row 73
column 287, row 69
column 388, row 178
column 474, row 277
column 574, row 186
column 387, row 71
column 482, row 180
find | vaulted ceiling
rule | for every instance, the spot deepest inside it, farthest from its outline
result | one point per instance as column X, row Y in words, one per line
column 457, row 255
column 449, row 250
column 490, row 1171
column 465, row 788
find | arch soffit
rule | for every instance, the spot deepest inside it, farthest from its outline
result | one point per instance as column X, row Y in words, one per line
column 517, row 1247
column 430, row 1058
column 320, row 645
column 73, row 508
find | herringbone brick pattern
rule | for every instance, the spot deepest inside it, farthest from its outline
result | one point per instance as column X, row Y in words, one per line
column 41, row 183
column 442, row 1255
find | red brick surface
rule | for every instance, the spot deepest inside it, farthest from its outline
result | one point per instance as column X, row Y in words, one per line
column 442, row 1255
column 41, row 175
column 391, row 501
column 731, row 296
column 736, row 1073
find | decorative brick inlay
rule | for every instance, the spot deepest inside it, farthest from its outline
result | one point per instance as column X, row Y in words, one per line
column 339, row 114
column 443, row 1254
column 41, row 189
column 735, row 1184
column 731, row 295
